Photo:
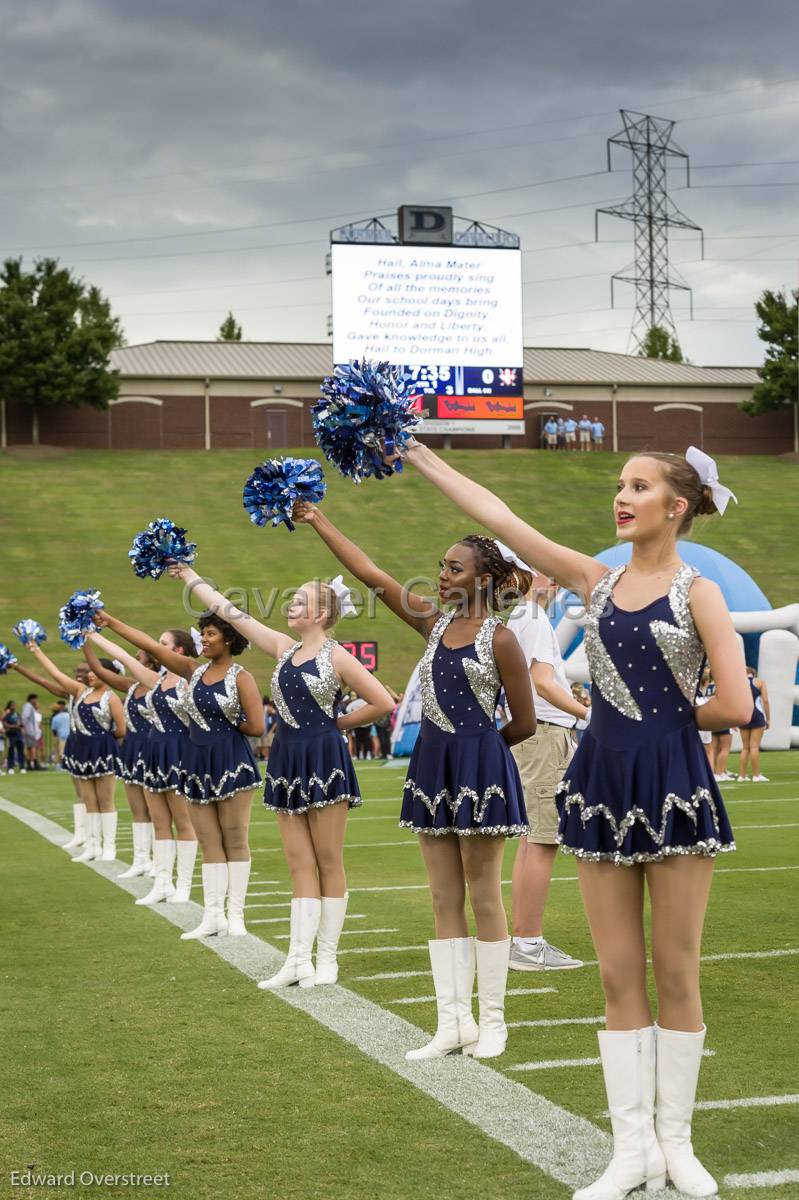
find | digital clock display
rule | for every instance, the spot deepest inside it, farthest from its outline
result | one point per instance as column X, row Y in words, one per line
column 365, row 652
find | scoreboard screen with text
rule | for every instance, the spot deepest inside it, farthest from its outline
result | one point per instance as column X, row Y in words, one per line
column 365, row 652
column 451, row 316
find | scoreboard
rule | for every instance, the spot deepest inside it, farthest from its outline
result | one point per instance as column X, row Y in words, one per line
column 365, row 652
column 449, row 316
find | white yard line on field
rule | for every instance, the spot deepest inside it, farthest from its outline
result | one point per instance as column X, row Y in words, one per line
column 431, row 999
column 566, row 1147
column 794, row 825
column 552, row 1064
column 277, row 920
column 347, row 846
column 761, row 1179
column 556, row 1021
column 284, row 937
column 747, row 1102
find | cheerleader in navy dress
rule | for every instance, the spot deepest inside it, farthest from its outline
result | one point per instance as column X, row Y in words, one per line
column 752, row 732
column 463, row 794
column 161, row 753
column 639, row 806
column 98, row 718
column 310, row 782
column 639, row 787
column 131, row 755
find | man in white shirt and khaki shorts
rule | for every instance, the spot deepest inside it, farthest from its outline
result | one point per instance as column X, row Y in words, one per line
column 542, row 761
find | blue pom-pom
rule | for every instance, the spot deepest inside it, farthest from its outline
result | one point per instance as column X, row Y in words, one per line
column 160, row 542
column 278, row 484
column 365, row 411
column 76, row 617
column 7, row 659
column 30, row 631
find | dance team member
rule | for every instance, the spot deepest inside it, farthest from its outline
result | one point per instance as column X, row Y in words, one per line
column 220, row 703
column 91, row 759
column 542, row 761
column 78, row 808
column 752, row 732
column 163, row 752
column 639, row 806
column 131, row 762
column 463, row 795
column 310, row 780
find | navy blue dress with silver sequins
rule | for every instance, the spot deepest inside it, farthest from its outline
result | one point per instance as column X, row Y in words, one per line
column 131, row 753
column 217, row 759
column 73, row 747
column 640, row 788
column 309, row 764
column 462, row 777
column 94, row 753
column 164, row 747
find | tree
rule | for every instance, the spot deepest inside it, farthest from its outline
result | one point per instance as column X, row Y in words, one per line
column 779, row 374
column 229, row 330
column 56, row 334
column 659, row 343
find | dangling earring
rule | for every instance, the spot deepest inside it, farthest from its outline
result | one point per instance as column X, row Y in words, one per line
column 671, row 516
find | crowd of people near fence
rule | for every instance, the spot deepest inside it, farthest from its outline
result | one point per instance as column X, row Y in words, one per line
column 564, row 433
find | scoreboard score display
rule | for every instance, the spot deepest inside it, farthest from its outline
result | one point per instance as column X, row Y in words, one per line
column 451, row 316
column 365, row 652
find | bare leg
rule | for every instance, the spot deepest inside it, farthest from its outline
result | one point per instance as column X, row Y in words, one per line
column 104, row 791
column 160, row 815
column 613, row 897
column 723, row 753
column 679, row 890
column 442, row 860
column 482, row 858
column 532, row 872
column 206, row 825
column 746, row 736
column 234, row 820
column 136, row 802
column 179, row 808
column 757, row 738
column 88, row 795
column 328, row 827
column 298, row 847
column 711, row 754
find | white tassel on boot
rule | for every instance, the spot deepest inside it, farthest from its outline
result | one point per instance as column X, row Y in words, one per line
column 215, row 880
column 187, row 854
column 79, row 819
column 331, row 922
column 92, row 847
column 492, row 979
column 141, row 851
column 452, row 961
column 679, row 1057
column 238, row 876
column 305, row 914
column 163, row 859
column 628, row 1064
column 108, row 823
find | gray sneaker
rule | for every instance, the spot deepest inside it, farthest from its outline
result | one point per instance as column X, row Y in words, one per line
column 543, row 958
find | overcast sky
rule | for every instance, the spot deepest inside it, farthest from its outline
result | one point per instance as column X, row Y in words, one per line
column 191, row 158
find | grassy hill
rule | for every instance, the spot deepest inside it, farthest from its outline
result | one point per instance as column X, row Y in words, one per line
column 68, row 519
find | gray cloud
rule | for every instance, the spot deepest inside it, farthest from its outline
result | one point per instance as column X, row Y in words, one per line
column 128, row 121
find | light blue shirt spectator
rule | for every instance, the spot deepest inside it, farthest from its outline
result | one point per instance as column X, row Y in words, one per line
column 584, row 423
column 569, row 425
column 60, row 725
column 551, row 426
column 598, row 431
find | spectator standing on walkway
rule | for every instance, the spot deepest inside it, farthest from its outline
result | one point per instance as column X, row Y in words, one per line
column 597, row 433
column 12, row 727
column 584, row 431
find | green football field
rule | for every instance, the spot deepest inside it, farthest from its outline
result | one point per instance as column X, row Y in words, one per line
column 126, row 1051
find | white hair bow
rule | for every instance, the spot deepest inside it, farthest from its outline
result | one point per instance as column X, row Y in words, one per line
column 511, row 557
column 343, row 593
column 197, row 638
column 118, row 666
column 708, row 473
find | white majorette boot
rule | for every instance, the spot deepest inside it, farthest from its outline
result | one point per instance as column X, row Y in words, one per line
column 92, row 847
column 151, row 839
column 452, row 960
column 679, row 1056
column 215, row 880
column 305, row 914
column 331, row 922
column 238, row 876
column 79, row 818
column 492, row 979
column 628, row 1064
column 163, row 859
column 187, row 854
column 108, row 824
column 141, row 851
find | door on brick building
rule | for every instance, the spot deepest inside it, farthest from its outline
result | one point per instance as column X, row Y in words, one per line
column 276, row 430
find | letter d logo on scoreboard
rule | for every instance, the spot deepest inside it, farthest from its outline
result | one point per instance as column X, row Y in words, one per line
column 425, row 226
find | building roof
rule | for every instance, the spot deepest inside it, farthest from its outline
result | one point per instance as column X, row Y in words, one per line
column 312, row 360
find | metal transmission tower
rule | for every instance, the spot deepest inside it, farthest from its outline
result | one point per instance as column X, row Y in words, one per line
column 652, row 213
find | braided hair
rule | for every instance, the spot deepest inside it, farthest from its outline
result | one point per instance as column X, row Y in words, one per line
column 508, row 582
